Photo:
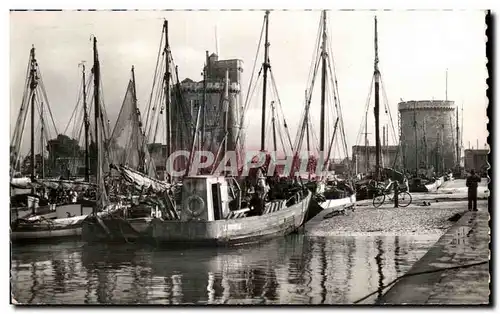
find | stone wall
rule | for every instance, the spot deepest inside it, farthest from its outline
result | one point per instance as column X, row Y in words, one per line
column 476, row 159
column 214, row 122
column 389, row 157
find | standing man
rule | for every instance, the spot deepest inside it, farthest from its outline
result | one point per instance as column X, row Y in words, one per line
column 472, row 181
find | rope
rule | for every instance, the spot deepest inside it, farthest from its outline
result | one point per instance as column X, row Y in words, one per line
column 367, row 106
column 250, row 94
column 155, row 74
column 420, row 273
column 242, row 119
column 333, row 77
column 42, row 85
column 22, row 109
column 388, row 110
column 306, row 116
column 287, row 133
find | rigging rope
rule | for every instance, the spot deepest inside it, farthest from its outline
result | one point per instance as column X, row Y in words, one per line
column 22, row 111
column 388, row 110
column 250, row 94
column 287, row 133
column 333, row 76
column 243, row 122
column 155, row 76
column 306, row 117
column 367, row 106
column 42, row 85
column 155, row 106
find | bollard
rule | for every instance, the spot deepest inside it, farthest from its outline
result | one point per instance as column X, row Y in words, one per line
column 396, row 193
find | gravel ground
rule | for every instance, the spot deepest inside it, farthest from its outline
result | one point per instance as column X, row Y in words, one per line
column 386, row 220
column 414, row 220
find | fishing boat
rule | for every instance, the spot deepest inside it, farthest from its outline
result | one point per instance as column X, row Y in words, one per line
column 138, row 160
column 374, row 177
column 329, row 190
column 29, row 197
column 66, row 221
column 213, row 208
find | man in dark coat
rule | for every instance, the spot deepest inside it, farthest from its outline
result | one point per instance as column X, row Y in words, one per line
column 472, row 181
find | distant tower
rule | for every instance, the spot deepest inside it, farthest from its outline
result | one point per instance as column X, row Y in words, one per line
column 194, row 95
column 436, row 141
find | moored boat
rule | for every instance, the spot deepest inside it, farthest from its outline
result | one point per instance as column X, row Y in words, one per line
column 205, row 218
column 39, row 228
column 329, row 191
column 65, row 221
column 213, row 208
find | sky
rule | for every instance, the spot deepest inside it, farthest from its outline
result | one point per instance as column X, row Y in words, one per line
column 415, row 49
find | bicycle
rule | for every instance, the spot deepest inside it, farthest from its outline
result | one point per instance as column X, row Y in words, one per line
column 404, row 197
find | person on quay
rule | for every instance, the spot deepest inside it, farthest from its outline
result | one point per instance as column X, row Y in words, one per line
column 472, row 182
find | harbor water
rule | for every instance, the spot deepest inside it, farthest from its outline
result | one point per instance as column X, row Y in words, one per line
column 297, row 269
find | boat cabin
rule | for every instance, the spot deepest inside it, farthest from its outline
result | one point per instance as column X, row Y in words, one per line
column 205, row 198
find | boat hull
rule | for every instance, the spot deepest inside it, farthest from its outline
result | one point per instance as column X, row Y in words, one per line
column 48, row 230
column 39, row 228
column 218, row 232
column 334, row 203
column 435, row 185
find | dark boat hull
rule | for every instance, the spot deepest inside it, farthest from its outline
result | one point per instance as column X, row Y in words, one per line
column 218, row 232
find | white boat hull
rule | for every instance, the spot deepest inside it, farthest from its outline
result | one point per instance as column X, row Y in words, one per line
column 333, row 203
column 45, row 229
column 53, row 228
column 46, row 234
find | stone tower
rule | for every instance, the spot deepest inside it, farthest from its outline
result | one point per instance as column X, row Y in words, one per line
column 428, row 134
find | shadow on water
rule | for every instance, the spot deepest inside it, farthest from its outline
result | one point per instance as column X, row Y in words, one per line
column 380, row 270
column 295, row 269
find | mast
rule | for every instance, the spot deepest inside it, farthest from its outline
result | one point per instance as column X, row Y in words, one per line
column 377, row 107
column 226, row 112
column 274, row 126
column 383, row 138
column 307, row 128
column 97, row 115
column 425, row 145
column 33, row 85
column 265, row 66
column 442, row 148
column 168, row 113
column 446, row 89
column 42, row 127
column 416, row 138
column 86, row 125
column 216, row 41
column 142, row 164
column 457, row 143
column 193, row 144
column 204, row 104
column 462, row 132
column 179, row 139
column 323, row 87
column 367, row 158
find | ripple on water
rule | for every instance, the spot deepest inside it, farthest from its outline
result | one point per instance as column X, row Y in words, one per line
column 292, row 270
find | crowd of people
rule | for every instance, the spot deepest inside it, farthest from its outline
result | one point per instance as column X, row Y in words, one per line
column 62, row 196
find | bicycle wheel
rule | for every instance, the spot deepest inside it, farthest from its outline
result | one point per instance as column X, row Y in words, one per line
column 404, row 199
column 378, row 200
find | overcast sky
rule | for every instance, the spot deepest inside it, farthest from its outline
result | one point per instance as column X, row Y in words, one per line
column 415, row 49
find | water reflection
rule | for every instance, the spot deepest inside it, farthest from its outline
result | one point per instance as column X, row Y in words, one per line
column 295, row 269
